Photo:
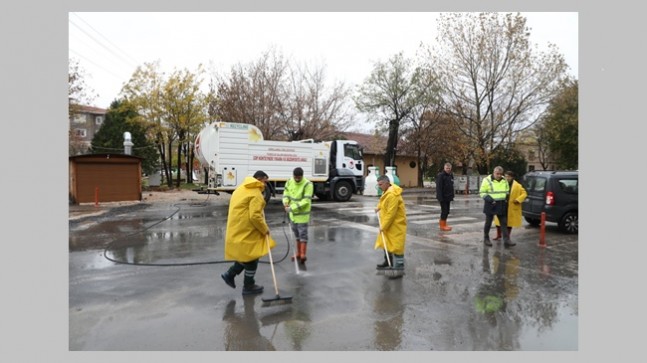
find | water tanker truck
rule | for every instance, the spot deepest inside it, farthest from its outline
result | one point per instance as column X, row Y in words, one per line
column 231, row 151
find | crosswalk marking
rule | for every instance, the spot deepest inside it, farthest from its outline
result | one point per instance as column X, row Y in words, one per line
column 434, row 220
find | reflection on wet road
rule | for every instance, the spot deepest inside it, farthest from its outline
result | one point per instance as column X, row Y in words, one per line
column 457, row 295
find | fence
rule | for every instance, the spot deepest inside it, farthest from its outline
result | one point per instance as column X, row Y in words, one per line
column 468, row 184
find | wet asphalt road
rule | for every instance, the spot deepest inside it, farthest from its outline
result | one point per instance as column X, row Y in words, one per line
column 165, row 291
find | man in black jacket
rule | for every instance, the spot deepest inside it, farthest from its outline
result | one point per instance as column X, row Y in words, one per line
column 445, row 194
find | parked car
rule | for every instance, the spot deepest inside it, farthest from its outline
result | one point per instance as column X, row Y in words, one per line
column 553, row 192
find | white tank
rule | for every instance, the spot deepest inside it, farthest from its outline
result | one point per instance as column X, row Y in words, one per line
column 206, row 144
column 370, row 182
column 391, row 173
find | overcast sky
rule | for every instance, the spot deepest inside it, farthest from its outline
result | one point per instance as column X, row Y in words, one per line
column 110, row 46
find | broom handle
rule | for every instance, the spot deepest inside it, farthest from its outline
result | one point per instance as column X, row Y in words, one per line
column 386, row 252
column 269, row 251
column 296, row 247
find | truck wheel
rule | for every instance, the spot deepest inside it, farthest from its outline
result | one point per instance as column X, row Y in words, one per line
column 569, row 223
column 267, row 194
column 343, row 191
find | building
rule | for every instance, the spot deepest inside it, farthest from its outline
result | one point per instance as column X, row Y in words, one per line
column 374, row 147
column 83, row 125
column 527, row 144
column 102, row 178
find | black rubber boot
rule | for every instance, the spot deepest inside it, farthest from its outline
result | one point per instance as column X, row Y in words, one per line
column 385, row 264
column 486, row 241
column 398, row 262
column 506, row 239
column 253, row 289
column 229, row 279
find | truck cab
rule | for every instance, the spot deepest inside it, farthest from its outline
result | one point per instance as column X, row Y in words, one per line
column 346, row 172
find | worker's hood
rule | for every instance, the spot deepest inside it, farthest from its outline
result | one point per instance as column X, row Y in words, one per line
column 253, row 183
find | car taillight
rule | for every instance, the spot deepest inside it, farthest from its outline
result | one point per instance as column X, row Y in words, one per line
column 550, row 198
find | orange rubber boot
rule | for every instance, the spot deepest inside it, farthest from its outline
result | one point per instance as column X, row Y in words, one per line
column 302, row 251
column 444, row 226
column 297, row 252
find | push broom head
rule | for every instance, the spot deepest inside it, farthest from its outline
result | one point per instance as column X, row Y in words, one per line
column 278, row 300
column 394, row 272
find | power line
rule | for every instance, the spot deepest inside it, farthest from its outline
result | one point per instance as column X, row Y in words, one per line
column 132, row 62
column 110, row 51
column 96, row 64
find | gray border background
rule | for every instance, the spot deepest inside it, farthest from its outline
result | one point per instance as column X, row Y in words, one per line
column 34, row 113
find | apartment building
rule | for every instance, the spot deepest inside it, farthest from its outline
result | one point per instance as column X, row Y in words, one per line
column 83, row 125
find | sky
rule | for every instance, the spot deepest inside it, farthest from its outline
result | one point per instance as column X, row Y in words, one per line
column 109, row 46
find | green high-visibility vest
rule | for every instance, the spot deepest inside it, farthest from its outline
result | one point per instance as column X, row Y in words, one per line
column 298, row 196
column 497, row 189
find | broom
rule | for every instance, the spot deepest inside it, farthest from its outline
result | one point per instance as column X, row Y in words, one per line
column 296, row 247
column 277, row 300
column 391, row 271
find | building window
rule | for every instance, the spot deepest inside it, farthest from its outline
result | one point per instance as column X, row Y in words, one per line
column 80, row 132
column 531, row 155
column 98, row 120
column 79, row 119
column 531, row 167
column 412, row 164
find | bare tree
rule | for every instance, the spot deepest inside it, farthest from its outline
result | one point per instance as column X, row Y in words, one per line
column 316, row 111
column 79, row 93
column 492, row 79
column 255, row 94
column 285, row 101
column 435, row 140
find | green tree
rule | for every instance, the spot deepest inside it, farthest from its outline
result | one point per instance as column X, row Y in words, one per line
column 392, row 92
column 510, row 158
column 560, row 124
column 492, row 78
column 121, row 117
column 185, row 110
column 144, row 91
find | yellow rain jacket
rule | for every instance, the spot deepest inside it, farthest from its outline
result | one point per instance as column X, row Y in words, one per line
column 246, row 226
column 393, row 219
column 518, row 193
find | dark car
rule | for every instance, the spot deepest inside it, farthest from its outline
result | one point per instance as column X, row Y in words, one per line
column 553, row 192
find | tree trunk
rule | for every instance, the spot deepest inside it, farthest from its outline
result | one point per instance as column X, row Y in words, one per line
column 169, row 181
column 179, row 165
column 392, row 143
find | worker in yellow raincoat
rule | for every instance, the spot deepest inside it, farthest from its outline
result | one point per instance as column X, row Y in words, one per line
column 515, row 199
column 245, row 239
column 393, row 223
